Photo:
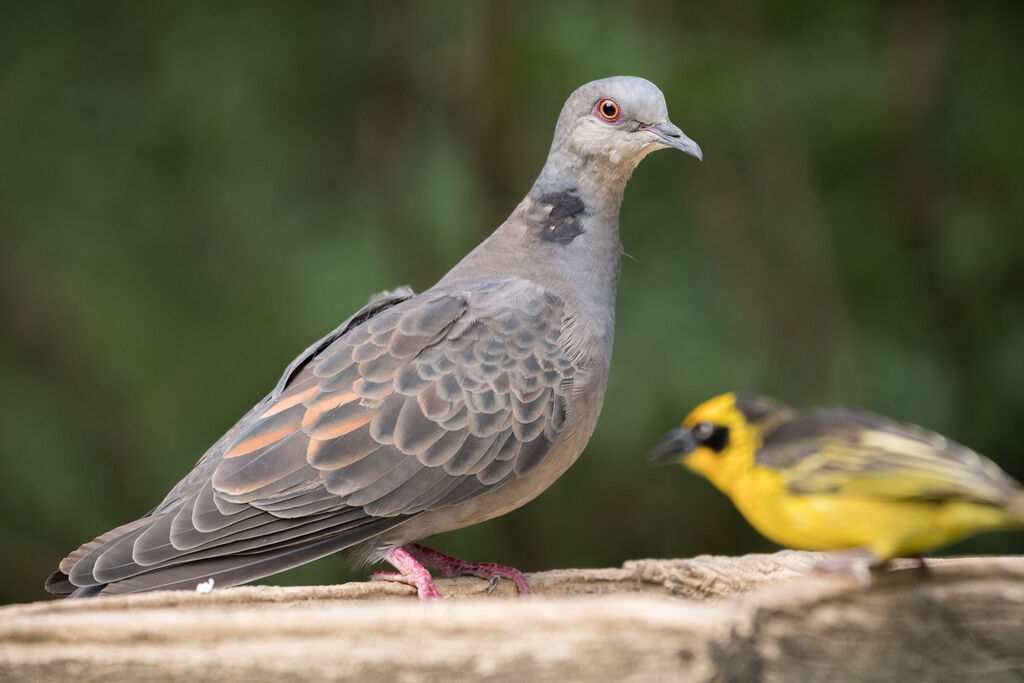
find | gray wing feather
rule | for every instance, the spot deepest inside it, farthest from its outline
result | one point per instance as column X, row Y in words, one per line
column 413, row 404
column 457, row 381
column 377, row 303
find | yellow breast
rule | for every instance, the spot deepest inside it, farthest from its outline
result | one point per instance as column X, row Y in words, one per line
column 826, row 521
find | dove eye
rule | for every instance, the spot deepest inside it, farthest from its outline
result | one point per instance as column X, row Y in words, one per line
column 608, row 109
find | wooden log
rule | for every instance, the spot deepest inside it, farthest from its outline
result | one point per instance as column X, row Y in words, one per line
column 757, row 617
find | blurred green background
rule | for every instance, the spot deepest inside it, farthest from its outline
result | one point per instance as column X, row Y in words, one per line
column 190, row 193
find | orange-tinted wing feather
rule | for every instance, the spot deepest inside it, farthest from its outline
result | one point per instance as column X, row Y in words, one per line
column 430, row 402
column 426, row 402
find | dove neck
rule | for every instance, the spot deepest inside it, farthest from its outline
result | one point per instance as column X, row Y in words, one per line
column 599, row 183
column 564, row 235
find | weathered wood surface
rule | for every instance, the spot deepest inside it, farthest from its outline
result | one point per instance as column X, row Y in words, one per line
column 752, row 618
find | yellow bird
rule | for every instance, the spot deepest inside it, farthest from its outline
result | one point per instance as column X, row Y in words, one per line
column 843, row 479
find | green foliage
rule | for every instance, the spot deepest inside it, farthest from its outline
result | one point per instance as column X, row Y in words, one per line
column 190, row 193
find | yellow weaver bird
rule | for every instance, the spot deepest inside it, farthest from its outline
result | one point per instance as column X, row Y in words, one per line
column 843, row 479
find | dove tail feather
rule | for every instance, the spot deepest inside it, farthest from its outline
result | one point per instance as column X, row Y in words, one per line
column 230, row 570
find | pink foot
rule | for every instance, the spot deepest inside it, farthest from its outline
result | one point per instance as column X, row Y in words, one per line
column 410, row 572
column 451, row 566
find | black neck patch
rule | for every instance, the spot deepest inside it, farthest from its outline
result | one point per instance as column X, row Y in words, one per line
column 562, row 224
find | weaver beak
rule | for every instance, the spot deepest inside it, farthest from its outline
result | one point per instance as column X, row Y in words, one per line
column 676, row 445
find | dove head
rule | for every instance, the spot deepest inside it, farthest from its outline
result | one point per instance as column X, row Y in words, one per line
column 569, row 220
column 617, row 121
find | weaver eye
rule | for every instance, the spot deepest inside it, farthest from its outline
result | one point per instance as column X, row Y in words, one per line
column 715, row 438
column 608, row 109
column 703, row 430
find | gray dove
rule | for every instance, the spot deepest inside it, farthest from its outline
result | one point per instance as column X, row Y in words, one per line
column 424, row 412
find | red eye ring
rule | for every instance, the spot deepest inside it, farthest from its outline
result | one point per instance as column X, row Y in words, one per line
column 608, row 109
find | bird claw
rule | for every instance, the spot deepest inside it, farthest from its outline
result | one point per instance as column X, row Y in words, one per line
column 452, row 566
column 411, row 564
column 409, row 572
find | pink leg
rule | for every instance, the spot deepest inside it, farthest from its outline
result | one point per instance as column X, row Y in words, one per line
column 451, row 566
column 409, row 571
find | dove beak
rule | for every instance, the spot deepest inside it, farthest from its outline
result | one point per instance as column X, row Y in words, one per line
column 678, row 443
column 669, row 135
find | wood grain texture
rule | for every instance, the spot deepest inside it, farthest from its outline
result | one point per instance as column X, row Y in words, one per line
column 757, row 617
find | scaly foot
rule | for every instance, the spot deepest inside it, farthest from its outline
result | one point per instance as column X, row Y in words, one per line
column 411, row 563
column 452, row 566
column 410, row 572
